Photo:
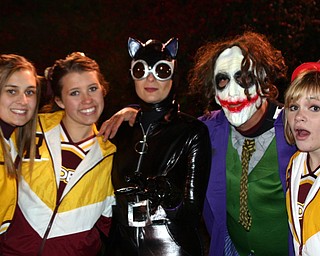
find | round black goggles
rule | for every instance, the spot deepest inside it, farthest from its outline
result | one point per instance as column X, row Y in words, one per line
column 162, row 70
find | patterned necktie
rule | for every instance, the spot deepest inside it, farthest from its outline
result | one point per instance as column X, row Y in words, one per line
column 247, row 151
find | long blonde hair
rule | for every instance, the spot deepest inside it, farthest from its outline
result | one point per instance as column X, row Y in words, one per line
column 25, row 135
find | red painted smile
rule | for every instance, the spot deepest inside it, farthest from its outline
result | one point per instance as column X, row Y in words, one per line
column 237, row 106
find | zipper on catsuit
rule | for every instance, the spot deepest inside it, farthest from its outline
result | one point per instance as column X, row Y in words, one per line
column 138, row 230
column 143, row 148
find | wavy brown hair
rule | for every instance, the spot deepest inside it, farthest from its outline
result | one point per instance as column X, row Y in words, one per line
column 268, row 65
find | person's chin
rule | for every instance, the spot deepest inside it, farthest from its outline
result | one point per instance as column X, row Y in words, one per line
column 237, row 120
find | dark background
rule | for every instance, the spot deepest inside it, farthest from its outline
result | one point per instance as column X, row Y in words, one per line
column 44, row 31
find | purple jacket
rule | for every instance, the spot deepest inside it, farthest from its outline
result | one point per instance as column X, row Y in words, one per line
column 215, row 201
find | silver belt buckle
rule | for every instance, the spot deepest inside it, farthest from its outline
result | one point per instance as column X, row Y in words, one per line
column 139, row 214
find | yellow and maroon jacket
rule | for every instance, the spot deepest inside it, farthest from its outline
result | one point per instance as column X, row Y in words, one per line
column 65, row 226
column 8, row 190
column 306, row 240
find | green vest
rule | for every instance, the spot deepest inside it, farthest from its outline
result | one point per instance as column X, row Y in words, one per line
column 266, row 201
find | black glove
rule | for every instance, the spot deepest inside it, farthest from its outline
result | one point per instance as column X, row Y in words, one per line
column 157, row 189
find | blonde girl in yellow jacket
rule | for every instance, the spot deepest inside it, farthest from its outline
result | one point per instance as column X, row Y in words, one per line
column 19, row 97
column 302, row 128
column 67, row 200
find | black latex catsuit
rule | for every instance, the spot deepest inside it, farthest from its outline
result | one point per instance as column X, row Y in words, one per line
column 165, row 158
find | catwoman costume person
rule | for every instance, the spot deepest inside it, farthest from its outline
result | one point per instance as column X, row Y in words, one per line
column 161, row 168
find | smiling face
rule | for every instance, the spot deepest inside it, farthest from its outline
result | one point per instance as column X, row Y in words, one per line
column 303, row 117
column 151, row 90
column 230, row 93
column 81, row 98
column 18, row 98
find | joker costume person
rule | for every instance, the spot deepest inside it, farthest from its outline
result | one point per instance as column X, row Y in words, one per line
column 245, row 210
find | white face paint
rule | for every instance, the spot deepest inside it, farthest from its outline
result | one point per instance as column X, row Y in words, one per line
column 229, row 93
